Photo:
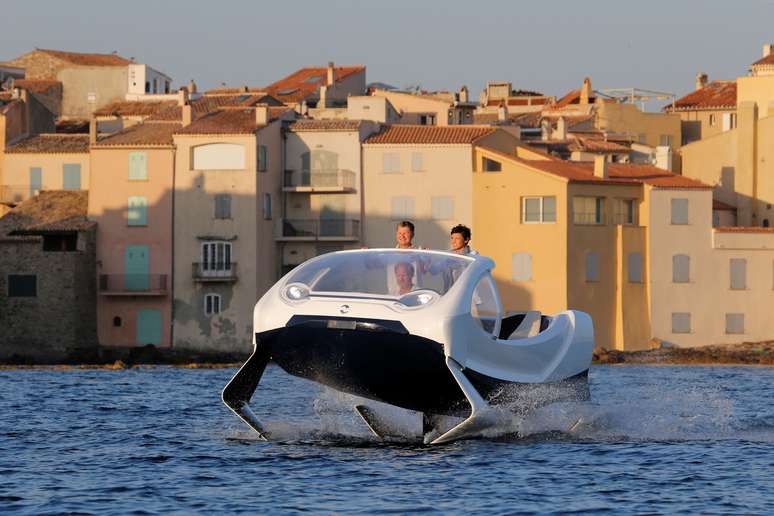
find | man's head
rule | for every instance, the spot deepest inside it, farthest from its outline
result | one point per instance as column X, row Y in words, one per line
column 460, row 236
column 404, row 276
column 404, row 233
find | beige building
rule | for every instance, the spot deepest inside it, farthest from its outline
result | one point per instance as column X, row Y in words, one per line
column 430, row 109
column 44, row 162
column 228, row 177
column 423, row 174
column 322, row 201
column 582, row 236
column 707, row 111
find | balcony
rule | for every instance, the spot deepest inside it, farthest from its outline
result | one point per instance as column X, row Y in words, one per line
column 310, row 230
column 133, row 284
column 214, row 272
column 14, row 194
column 333, row 180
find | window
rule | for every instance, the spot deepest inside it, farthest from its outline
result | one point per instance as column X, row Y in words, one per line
column 442, row 208
column 484, row 305
column 427, row 120
column 729, row 121
column 137, row 214
column 262, row 158
column 713, row 120
column 681, row 322
column 138, row 166
column 218, row 156
column 267, row 206
column 211, row 304
column 734, row 323
column 681, row 268
column 679, row 211
column 738, row 272
column 71, row 176
column 588, row 210
column 535, row 210
column 147, row 86
column 491, row 165
column 634, row 267
column 222, row 206
column 155, row 85
column 216, row 257
column 117, row 322
column 592, row 266
column 60, row 243
column 521, row 266
column 642, row 138
column 391, row 163
column 416, row 162
column 624, row 211
column 402, row 208
column 166, row 86
column 665, row 140
column 22, row 285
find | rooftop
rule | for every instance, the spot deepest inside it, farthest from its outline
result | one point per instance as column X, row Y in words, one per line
column 51, row 144
column 766, row 60
column 304, row 82
column 324, row 125
column 429, row 134
column 51, row 211
column 224, row 121
column 148, row 134
column 134, row 108
column 88, row 59
column 716, row 94
column 35, row 86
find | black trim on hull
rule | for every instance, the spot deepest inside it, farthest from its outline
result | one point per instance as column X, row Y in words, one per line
column 376, row 360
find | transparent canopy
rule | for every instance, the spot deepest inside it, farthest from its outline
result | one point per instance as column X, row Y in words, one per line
column 392, row 273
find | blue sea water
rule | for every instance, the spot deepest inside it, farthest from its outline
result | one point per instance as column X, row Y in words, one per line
column 159, row 440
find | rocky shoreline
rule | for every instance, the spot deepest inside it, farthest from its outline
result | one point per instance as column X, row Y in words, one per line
column 746, row 353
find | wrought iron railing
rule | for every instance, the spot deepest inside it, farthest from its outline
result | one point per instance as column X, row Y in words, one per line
column 319, row 228
column 320, row 178
column 214, row 271
column 133, row 284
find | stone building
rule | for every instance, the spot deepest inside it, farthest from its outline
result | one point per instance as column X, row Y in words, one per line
column 47, row 284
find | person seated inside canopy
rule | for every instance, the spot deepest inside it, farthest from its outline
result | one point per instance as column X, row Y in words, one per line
column 404, row 278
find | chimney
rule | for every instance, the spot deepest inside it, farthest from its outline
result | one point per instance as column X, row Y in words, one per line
column 502, row 112
column 561, row 129
column 187, row 115
column 600, row 166
column 701, row 80
column 182, row 97
column 464, row 94
column 586, row 91
column 92, row 130
column 768, row 49
column 192, row 87
column 261, row 114
column 323, row 97
column 331, row 74
column 545, row 130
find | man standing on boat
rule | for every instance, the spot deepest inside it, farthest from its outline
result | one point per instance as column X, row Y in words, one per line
column 404, row 235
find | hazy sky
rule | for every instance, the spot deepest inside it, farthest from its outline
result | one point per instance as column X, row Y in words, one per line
column 543, row 45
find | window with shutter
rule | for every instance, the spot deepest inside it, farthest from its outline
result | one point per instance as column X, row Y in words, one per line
column 138, row 166
column 137, row 214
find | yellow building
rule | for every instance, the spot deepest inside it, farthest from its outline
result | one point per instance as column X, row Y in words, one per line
column 422, row 174
column 573, row 235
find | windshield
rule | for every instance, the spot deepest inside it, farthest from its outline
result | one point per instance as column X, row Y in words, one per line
column 382, row 273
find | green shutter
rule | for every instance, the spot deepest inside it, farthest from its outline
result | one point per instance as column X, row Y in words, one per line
column 149, row 326
column 138, row 166
column 71, row 176
column 137, row 214
column 136, row 268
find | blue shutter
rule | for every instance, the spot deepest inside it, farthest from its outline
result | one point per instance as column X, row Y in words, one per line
column 36, row 180
column 138, row 166
column 71, row 176
column 137, row 214
column 136, row 267
column 149, row 326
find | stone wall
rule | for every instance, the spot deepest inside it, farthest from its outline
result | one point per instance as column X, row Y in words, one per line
column 62, row 317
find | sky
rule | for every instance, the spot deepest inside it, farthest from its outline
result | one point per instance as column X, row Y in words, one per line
column 543, row 45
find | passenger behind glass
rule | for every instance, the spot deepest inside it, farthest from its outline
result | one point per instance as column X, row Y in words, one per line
column 404, row 278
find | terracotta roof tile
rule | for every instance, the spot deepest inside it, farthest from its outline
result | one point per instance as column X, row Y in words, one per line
column 148, row 134
column 768, row 60
column 720, row 205
column 743, row 229
column 716, row 94
column 134, row 108
column 324, row 125
column 78, row 58
column 52, row 144
column 35, row 86
column 50, row 211
column 204, row 105
column 304, row 82
column 597, row 145
column 429, row 134
column 618, row 173
column 225, row 121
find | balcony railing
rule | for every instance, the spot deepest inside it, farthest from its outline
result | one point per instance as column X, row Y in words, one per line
column 13, row 194
column 332, row 180
column 316, row 229
column 623, row 219
column 214, row 272
column 133, row 284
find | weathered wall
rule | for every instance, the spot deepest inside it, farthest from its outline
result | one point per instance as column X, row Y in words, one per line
column 88, row 88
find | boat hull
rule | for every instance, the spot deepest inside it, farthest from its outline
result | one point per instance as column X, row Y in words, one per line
column 382, row 361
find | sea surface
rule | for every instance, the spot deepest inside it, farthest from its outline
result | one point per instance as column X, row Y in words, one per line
column 144, row 441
